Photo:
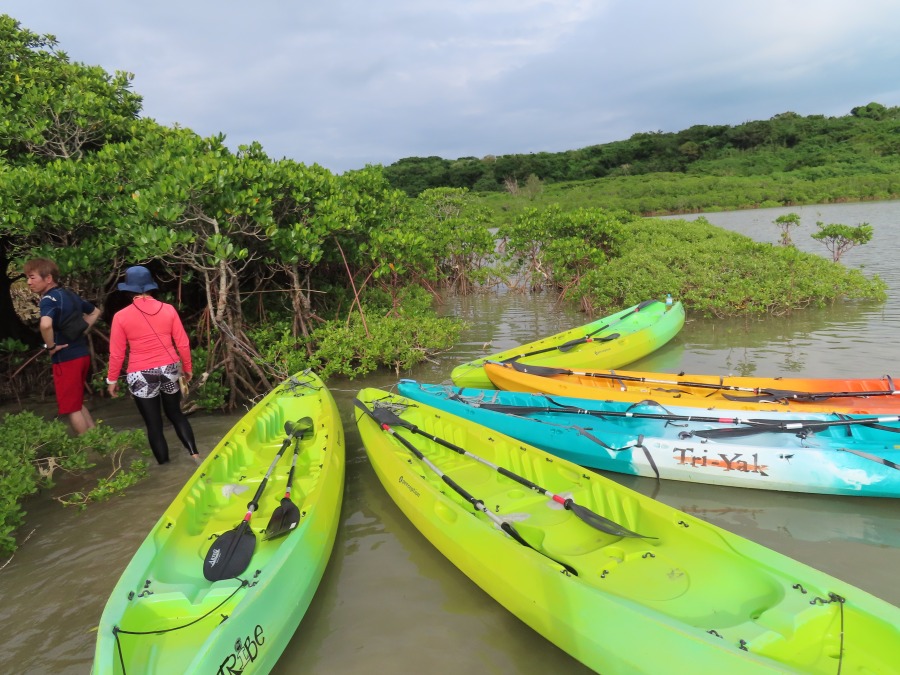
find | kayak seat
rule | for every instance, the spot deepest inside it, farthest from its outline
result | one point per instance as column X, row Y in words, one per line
column 807, row 636
column 687, row 585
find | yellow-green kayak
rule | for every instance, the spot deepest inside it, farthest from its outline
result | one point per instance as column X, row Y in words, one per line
column 611, row 342
column 623, row 583
column 220, row 584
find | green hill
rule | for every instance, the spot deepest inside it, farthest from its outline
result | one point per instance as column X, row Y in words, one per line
column 788, row 159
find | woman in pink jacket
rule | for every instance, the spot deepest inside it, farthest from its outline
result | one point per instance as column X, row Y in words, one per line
column 158, row 355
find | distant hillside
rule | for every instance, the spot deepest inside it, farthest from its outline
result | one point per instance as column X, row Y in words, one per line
column 865, row 142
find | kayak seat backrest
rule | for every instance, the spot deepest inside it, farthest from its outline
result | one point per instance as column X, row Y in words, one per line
column 230, row 460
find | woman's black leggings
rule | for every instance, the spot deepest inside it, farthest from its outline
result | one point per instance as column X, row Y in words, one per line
column 151, row 410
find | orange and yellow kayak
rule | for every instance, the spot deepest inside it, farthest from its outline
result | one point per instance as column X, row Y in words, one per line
column 854, row 395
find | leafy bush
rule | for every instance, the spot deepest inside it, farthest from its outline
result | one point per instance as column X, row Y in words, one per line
column 353, row 349
column 33, row 449
column 720, row 273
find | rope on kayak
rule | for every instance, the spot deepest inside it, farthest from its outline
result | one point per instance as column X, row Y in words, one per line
column 834, row 597
column 295, row 385
column 117, row 630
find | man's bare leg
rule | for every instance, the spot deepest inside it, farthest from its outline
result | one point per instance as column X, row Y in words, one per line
column 81, row 420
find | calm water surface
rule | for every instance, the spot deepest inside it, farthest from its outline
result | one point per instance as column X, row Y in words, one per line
column 389, row 601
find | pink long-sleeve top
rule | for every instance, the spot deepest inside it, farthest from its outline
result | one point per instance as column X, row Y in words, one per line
column 153, row 334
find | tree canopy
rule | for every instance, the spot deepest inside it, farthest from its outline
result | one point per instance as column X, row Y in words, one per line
column 865, row 141
column 88, row 182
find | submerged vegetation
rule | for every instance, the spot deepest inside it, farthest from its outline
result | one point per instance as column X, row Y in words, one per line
column 33, row 452
column 603, row 259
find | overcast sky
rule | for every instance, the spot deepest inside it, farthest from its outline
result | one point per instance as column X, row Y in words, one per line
column 347, row 83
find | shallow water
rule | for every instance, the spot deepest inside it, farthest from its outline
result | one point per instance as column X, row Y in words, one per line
column 389, row 601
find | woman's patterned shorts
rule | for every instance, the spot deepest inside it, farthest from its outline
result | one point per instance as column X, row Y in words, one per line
column 149, row 383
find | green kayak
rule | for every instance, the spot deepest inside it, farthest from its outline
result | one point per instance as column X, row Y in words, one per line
column 223, row 579
column 623, row 583
column 611, row 342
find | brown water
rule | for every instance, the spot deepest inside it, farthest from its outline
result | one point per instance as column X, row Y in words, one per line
column 390, row 602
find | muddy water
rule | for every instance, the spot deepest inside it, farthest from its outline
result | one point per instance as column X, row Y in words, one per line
column 389, row 601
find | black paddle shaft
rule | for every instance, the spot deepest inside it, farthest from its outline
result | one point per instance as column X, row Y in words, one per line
column 571, row 344
column 478, row 504
column 385, row 417
column 755, row 426
column 286, row 516
column 231, row 552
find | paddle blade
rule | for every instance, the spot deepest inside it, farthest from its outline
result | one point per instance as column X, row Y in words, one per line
column 602, row 523
column 230, row 554
column 283, row 520
column 567, row 346
column 384, row 415
column 300, row 427
column 725, row 432
column 544, row 371
column 571, row 344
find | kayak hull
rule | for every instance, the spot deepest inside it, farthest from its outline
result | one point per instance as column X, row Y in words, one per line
column 659, row 442
column 705, row 599
column 163, row 616
column 638, row 331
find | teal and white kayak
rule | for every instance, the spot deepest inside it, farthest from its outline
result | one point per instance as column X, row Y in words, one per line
column 219, row 587
column 857, row 455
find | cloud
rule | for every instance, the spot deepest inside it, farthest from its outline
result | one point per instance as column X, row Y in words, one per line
column 345, row 83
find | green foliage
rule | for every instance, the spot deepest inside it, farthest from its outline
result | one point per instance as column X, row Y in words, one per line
column 839, row 239
column 207, row 389
column 873, row 110
column 720, row 273
column 665, row 193
column 108, row 487
column 12, row 346
column 277, row 345
column 455, row 233
column 863, row 143
column 785, row 223
column 335, row 266
column 18, row 478
column 33, row 449
column 559, row 246
column 353, row 349
column 402, row 331
column 51, row 108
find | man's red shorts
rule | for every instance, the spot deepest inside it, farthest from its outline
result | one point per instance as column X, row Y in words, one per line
column 68, row 380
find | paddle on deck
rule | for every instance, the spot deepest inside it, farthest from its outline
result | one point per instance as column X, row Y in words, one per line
column 386, row 417
column 477, row 504
column 761, row 394
column 776, row 395
column 571, row 344
column 754, row 426
column 231, row 552
column 286, row 516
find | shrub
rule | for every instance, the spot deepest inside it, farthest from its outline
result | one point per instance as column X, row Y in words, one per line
column 33, row 449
